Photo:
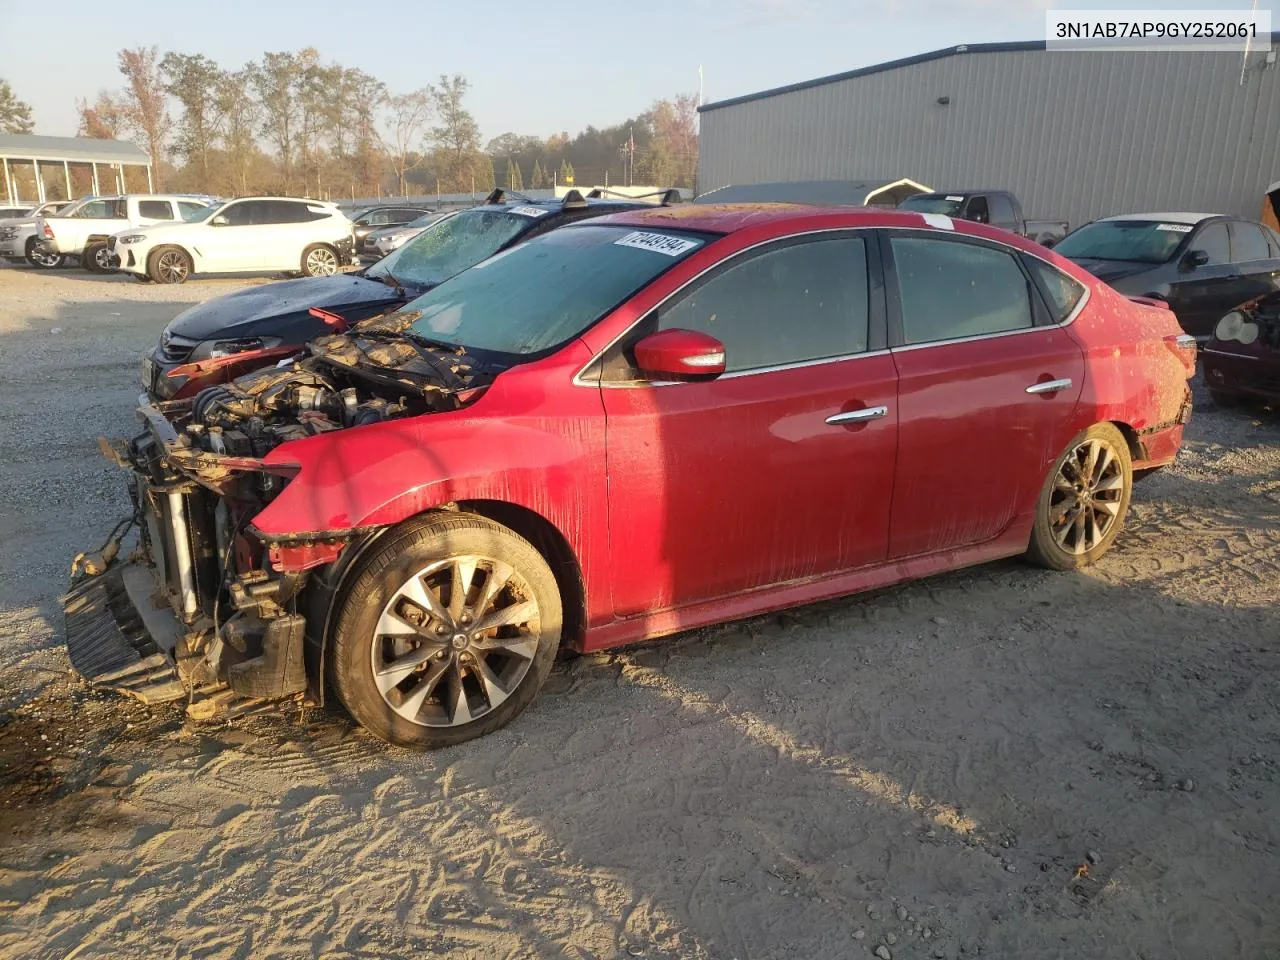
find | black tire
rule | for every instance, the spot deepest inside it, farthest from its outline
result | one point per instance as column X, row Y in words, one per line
column 1092, row 528
column 94, row 258
column 377, row 585
column 41, row 260
column 1225, row 400
column 320, row 260
column 169, row 265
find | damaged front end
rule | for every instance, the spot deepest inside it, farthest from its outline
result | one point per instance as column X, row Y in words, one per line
column 202, row 609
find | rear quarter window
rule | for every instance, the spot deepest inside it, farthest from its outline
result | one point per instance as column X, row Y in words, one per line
column 1061, row 293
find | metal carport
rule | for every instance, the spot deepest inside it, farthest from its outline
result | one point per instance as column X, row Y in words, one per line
column 17, row 150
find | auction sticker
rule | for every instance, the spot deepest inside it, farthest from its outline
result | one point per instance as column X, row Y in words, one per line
column 1174, row 227
column 529, row 211
column 939, row 220
column 657, row 242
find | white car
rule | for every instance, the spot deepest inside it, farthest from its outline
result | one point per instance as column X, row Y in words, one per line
column 247, row 235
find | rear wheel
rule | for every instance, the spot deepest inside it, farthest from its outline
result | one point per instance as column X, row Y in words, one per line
column 446, row 633
column 319, row 260
column 1084, row 500
column 96, row 258
column 46, row 261
column 169, row 265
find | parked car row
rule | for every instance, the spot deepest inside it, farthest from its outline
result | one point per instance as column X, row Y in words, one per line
column 576, row 424
column 166, row 238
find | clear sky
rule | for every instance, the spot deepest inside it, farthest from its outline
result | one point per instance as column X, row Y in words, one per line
column 534, row 68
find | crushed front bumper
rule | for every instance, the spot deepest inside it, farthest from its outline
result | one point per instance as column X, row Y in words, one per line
column 110, row 642
column 1242, row 374
column 175, row 620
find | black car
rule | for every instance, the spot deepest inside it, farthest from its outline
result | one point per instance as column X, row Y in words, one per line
column 378, row 218
column 1202, row 264
column 278, row 316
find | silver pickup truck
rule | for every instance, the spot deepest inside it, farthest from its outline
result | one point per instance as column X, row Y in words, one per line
column 18, row 235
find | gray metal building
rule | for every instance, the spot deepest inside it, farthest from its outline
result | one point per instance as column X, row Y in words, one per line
column 1077, row 135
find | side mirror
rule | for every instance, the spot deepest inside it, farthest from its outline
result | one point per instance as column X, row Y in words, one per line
column 220, row 220
column 979, row 217
column 1049, row 242
column 1194, row 258
column 362, row 222
column 680, row 355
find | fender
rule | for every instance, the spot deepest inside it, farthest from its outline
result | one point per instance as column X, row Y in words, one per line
column 349, row 482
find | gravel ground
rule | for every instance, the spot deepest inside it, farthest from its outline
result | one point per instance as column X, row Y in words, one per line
column 999, row 762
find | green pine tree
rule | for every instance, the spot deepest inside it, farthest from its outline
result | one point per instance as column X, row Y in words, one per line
column 485, row 178
column 538, row 179
column 514, row 180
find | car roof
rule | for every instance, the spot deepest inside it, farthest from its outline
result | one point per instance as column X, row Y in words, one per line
column 725, row 218
column 557, row 206
column 1184, row 218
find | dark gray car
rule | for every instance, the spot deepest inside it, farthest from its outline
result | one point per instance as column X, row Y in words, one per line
column 1202, row 264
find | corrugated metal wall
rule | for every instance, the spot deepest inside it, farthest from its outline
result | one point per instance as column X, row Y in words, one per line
column 1075, row 135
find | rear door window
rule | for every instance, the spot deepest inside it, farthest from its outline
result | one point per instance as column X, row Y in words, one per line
column 950, row 289
column 1247, row 243
column 1001, row 210
column 155, row 209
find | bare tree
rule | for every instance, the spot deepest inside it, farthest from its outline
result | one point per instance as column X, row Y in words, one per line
column 239, row 113
column 102, row 120
column 408, row 120
column 145, row 111
column 277, row 80
column 457, row 138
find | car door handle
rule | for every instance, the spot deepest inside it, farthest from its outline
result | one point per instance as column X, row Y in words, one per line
column 1049, row 386
column 858, row 416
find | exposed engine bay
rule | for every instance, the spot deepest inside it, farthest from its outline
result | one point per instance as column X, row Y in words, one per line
column 379, row 371
column 235, row 630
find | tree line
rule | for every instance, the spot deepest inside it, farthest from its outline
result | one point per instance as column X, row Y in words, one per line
column 295, row 124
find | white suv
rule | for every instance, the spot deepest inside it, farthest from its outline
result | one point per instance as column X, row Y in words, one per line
column 247, row 235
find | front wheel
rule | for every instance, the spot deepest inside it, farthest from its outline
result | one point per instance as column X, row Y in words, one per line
column 169, row 265
column 446, row 633
column 46, row 261
column 1084, row 501
column 319, row 260
column 96, row 258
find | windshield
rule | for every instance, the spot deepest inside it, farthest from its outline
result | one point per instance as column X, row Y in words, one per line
column 451, row 246
column 426, row 220
column 539, row 294
column 1138, row 241
column 204, row 213
column 70, row 208
column 924, row 203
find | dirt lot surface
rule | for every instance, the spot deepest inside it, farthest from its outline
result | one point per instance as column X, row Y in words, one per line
column 1002, row 762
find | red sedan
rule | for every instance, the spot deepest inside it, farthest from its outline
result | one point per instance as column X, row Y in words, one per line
column 622, row 429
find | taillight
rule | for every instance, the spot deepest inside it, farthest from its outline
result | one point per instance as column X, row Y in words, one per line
column 1185, row 348
column 48, row 231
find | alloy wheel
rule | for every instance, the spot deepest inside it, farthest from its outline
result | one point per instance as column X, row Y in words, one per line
column 1087, row 494
column 321, row 262
column 455, row 640
column 171, row 265
column 102, row 257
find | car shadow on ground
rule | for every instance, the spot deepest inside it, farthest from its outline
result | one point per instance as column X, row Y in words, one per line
column 1007, row 758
